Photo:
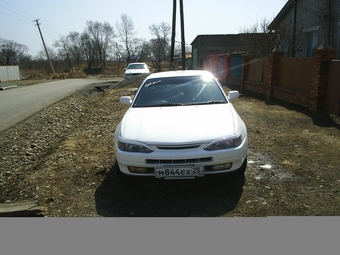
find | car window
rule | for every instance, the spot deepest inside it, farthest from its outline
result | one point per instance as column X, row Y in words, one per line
column 179, row 91
column 137, row 66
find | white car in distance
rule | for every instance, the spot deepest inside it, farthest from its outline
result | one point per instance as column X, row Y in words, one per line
column 181, row 125
column 136, row 69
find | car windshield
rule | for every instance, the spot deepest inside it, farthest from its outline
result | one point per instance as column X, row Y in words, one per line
column 136, row 66
column 174, row 91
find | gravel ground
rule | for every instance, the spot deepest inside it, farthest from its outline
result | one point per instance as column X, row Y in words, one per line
column 63, row 159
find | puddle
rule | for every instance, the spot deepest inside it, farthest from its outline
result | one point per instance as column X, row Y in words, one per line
column 265, row 168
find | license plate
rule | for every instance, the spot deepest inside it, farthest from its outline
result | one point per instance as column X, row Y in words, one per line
column 179, row 171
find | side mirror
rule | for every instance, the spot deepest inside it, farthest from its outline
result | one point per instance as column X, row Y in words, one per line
column 125, row 100
column 233, row 94
column 125, row 69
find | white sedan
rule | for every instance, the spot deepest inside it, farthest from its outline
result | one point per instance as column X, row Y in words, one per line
column 180, row 124
column 136, row 69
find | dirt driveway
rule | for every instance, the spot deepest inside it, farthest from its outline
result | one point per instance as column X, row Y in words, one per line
column 63, row 159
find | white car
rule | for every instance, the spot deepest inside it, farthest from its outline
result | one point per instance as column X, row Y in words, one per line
column 180, row 124
column 136, row 69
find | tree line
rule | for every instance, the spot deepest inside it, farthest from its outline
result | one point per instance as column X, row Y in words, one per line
column 99, row 43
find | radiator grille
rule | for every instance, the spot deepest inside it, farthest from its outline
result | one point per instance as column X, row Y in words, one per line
column 182, row 147
column 178, row 161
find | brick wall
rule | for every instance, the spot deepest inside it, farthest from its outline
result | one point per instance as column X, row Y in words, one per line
column 254, row 87
column 291, row 96
column 318, row 90
column 314, row 100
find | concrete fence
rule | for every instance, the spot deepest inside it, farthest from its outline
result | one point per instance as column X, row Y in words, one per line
column 9, row 73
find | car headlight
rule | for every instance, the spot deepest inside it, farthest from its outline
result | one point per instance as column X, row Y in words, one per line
column 224, row 143
column 133, row 146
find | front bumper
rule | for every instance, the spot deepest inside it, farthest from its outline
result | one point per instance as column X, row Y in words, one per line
column 197, row 156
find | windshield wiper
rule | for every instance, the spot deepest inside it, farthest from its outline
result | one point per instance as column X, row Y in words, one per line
column 165, row 104
column 213, row 102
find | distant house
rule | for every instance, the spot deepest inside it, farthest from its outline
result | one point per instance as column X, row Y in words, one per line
column 206, row 45
column 316, row 22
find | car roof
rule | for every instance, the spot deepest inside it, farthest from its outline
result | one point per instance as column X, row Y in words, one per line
column 137, row 63
column 183, row 73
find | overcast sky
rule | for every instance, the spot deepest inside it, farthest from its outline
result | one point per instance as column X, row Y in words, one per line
column 59, row 17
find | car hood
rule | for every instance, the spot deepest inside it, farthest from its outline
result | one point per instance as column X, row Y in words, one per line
column 178, row 124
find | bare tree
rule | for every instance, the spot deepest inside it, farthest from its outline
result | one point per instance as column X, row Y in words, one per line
column 41, row 57
column 41, row 54
column 88, row 49
column 63, row 46
column 160, row 45
column 100, row 37
column 126, row 33
column 258, row 41
column 117, row 51
column 106, row 41
column 11, row 52
column 285, row 39
column 137, row 49
column 70, row 48
column 145, row 53
column 76, row 47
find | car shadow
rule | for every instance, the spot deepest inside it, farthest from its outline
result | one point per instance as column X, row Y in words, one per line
column 210, row 196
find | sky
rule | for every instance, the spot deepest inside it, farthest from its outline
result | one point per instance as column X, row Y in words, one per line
column 59, row 17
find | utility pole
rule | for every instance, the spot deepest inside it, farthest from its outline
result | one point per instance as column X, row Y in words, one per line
column 48, row 57
column 182, row 34
column 173, row 35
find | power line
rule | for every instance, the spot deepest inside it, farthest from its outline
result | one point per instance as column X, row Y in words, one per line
column 54, row 30
column 15, row 17
column 48, row 32
column 14, row 12
column 18, row 9
column 57, row 31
